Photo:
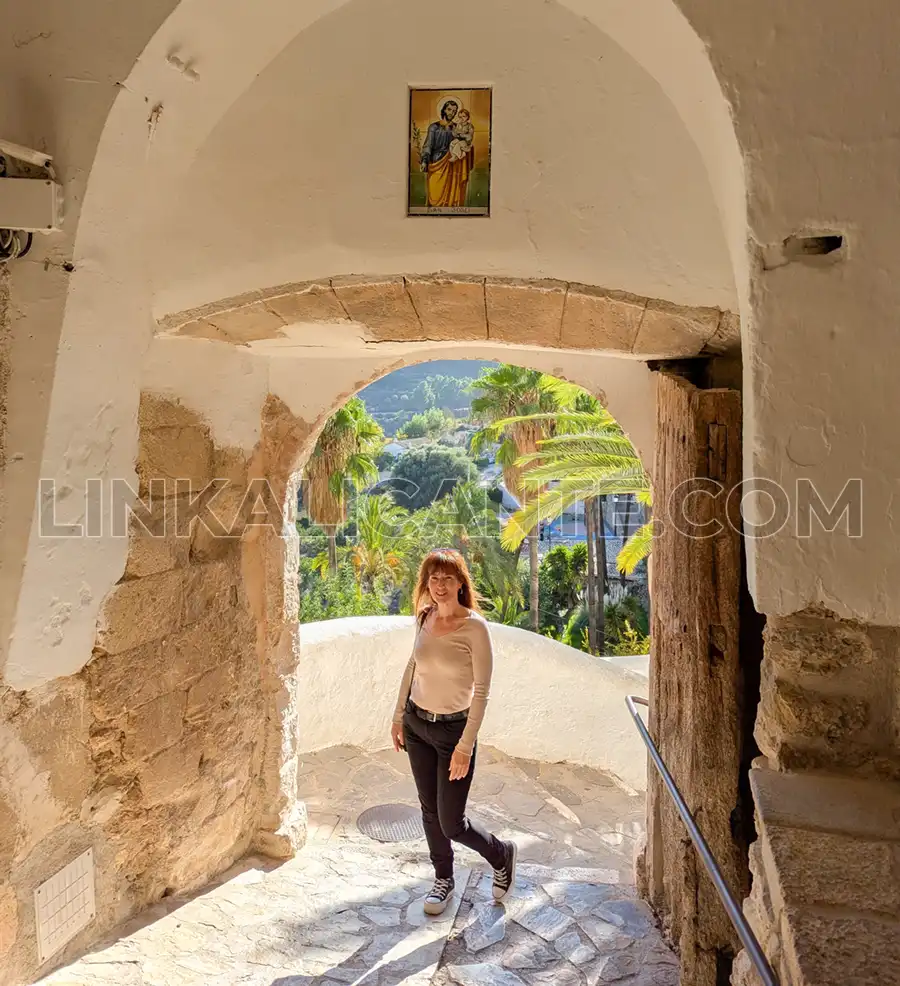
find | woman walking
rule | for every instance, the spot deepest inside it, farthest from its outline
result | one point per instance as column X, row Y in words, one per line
column 439, row 710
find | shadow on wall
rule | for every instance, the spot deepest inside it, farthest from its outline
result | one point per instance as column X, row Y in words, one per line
column 548, row 701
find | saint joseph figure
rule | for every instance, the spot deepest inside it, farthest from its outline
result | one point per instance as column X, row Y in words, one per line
column 446, row 179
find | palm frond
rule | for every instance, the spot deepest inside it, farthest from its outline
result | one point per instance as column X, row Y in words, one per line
column 635, row 549
column 592, row 485
column 584, row 420
column 599, row 468
column 560, row 446
column 552, row 502
column 360, row 469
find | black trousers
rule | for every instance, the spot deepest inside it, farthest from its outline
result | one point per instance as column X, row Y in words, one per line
column 430, row 746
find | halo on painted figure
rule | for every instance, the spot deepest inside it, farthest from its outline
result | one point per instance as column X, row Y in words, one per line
column 442, row 102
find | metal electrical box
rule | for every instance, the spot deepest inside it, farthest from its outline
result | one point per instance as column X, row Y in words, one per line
column 30, row 204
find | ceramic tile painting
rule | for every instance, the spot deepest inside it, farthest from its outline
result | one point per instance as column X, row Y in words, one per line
column 449, row 152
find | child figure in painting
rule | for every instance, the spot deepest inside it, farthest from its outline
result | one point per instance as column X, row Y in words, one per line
column 463, row 136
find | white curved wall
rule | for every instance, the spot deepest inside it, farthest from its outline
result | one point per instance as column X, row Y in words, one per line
column 595, row 178
column 548, row 701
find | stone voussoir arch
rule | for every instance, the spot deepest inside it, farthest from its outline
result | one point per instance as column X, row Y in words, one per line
column 444, row 307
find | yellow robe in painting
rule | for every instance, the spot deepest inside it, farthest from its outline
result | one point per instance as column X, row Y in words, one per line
column 448, row 179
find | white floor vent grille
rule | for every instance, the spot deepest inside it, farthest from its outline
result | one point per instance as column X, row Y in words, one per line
column 64, row 904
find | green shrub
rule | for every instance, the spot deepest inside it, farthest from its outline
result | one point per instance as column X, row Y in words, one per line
column 336, row 595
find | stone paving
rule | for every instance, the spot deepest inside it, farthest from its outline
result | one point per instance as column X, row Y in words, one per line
column 349, row 910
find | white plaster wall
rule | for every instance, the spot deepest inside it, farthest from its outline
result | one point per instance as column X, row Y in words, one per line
column 548, row 701
column 819, row 135
column 225, row 385
column 594, row 176
column 59, row 74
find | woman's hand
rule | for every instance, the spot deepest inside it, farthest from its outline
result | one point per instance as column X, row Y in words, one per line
column 459, row 765
column 397, row 736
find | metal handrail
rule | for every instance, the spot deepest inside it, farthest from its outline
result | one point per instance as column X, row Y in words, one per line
column 741, row 926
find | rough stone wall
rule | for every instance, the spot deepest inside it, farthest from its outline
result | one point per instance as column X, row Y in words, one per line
column 5, row 355
column 825, row 903
column 153, row 754
column 271, row 572
column 5, row 371
column 826, row 867
column 831, row 696
column 175, row 685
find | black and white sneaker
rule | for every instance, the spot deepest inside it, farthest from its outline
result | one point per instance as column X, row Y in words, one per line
column 437, row 900
column 505, row 877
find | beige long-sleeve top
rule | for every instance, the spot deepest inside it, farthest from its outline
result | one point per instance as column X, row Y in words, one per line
column 451, row 673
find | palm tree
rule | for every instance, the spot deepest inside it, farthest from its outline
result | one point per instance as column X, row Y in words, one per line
column 381, row 536
column 588, row 459
column 502, row 599
column 514, row 404
column 345, row 454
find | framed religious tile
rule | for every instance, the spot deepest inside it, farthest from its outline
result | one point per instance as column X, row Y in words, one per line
column 449, row 152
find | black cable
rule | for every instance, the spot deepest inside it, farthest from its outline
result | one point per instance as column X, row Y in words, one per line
column 11, row 246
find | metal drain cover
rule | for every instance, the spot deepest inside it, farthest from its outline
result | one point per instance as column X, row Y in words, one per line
column 391, row 823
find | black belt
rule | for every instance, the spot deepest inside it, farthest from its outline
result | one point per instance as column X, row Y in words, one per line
column 436, row 716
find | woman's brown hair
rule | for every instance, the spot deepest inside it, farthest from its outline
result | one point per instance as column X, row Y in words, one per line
column 443, row 560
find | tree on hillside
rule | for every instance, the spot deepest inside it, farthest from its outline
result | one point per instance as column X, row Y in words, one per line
column 508, row 399
column 433, row 422
column 344, row 455
column 423, row 475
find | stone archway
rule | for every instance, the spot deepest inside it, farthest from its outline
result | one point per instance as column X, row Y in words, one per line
column 698, row 663
column 250, row 574
column 436, row 307
column 404, row 316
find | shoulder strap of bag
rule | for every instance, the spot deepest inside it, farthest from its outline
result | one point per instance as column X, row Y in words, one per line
column 420, row 622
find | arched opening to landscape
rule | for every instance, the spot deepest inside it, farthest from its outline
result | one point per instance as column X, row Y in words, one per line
column 267, row 566
column 417, row 436
column 556, row 718
column 420, row 465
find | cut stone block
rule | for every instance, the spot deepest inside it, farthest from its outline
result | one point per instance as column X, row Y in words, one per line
column 668, row 331
column 525, row 312
column 598, row 319
column 140, row 611
column 449, row 308
column 382, row 305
